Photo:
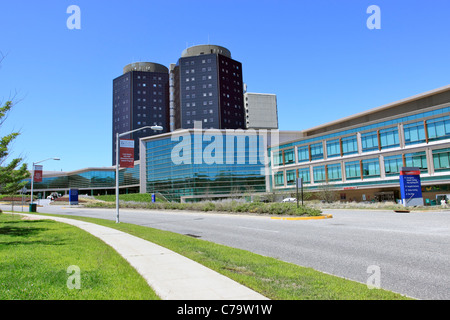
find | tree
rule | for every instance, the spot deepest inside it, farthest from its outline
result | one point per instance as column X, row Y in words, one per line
column 11, row 175
column 327, row 194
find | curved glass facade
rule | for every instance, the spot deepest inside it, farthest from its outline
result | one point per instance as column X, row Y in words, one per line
column 194, row 166
column 89, row 179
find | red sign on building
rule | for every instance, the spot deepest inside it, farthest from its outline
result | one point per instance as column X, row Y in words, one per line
column 37, row 176
column 126, row 153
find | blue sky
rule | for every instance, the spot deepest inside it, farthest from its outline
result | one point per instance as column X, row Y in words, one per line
column 318, row 57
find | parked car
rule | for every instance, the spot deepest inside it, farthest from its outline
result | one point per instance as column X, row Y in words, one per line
column 290, row 200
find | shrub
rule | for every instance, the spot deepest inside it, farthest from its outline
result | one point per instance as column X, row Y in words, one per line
column 274, row 208
column 208, row 206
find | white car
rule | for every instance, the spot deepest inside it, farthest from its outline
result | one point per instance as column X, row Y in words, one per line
column 290, row 200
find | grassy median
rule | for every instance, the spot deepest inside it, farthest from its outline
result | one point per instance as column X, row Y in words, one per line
column 36, row 258
column 271, row 277
column 143, row 201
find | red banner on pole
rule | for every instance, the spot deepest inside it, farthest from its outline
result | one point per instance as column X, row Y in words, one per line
column 126, row 153
column 37, row 177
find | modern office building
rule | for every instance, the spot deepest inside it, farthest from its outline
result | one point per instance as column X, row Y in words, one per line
column 260, row 110
column 207, row 87
column 140, row 98
column 90, row 181
column 360, row 156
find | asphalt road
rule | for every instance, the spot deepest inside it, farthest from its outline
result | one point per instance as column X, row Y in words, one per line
column 411, row 251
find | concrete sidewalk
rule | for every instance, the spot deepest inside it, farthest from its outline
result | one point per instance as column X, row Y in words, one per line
column 172, row 276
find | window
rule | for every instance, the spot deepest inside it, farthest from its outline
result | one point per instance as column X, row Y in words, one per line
column 333, row 148
column 369, row 141
column 417, row 159
column 438, row 128
column 352, row 170
column 371, row 168
column 441, row 159
column 349, row 145
column 334, row 172
column 304, row 174
column 414, row 133
column 317, row 151
column 393, row 164
column 290, row 177
column 389, row 138
column 303, row 154
column 319, row 174
column 278, row 158
column 289, row 156
column 279, row 179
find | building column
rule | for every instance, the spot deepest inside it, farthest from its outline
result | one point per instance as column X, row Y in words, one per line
column 343, row 173
column 430, row 162
column 401, row 136
column 358, row 142
column 382, row 168
column 311, row 174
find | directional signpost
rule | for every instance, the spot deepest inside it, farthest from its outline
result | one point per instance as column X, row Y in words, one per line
column 410, row 187
column 299, row 184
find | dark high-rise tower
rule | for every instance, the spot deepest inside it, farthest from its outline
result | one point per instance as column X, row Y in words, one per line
column 140, row 98
column 207, row 87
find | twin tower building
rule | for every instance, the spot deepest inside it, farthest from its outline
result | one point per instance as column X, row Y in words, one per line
column 205, row 85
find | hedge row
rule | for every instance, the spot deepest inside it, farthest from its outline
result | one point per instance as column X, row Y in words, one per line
column 225, row 206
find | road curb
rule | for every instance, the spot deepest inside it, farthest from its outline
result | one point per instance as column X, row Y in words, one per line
column 328, row 216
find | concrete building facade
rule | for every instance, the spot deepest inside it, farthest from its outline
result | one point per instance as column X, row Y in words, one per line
column 261, row 110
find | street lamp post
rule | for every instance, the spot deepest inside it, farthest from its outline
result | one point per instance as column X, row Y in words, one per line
column 118, row 135
column 32, row 175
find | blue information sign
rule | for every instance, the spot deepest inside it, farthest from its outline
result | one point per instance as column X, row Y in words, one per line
column 410, row 187
column 73, row 196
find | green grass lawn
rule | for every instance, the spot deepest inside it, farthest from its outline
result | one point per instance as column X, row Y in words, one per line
column 271, row 277
column 35, row 256
column 138, row 197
